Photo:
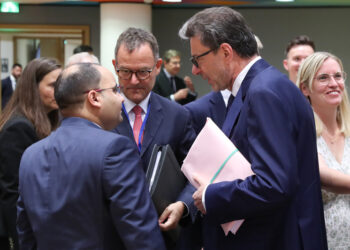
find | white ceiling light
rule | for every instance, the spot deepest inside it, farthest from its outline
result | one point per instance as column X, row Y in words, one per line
column 172, row 1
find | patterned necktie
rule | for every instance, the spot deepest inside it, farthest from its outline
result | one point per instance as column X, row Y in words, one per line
column 137, row 123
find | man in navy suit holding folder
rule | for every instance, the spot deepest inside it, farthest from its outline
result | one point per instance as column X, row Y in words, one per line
column 150, row 119
column 272, row 125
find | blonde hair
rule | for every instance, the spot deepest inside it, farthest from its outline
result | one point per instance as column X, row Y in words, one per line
column 306, row 75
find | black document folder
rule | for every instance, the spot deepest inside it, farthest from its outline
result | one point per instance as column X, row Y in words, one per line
column 166, row 181
column 164, row 177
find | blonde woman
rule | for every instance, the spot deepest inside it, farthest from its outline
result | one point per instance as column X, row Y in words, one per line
column 321, row 78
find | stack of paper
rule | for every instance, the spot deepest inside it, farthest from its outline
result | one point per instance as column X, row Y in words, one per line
column 214, row 158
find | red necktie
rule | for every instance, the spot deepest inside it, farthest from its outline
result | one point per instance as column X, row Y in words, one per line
column 137, row 123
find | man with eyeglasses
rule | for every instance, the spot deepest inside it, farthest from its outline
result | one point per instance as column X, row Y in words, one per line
column 83, row 187
column 272, row 125
column 169, row 85
column 151, row 119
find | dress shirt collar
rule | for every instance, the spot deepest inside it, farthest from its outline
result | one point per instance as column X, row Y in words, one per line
column 167, row 74
column 13, row 82
column 239, row 79
column 129, row 105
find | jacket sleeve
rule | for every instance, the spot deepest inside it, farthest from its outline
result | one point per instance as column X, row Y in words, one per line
column 125, row 188
column 14, row 139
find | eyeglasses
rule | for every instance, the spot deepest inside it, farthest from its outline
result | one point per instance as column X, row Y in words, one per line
column 339, row 77
column 143, row 74
column 115, row 89
column 194, row 59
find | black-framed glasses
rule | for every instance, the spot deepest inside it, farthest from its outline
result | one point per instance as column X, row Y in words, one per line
column 142, row 74
column 115, row 89
column 194, row 59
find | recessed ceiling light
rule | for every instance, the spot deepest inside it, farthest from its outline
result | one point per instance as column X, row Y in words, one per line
column 172, row 1
column 284, row 0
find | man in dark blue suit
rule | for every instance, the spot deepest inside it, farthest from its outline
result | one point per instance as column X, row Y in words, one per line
column 8, row 84
column 211, row 105
column 169, row 85
column 272, row 125
column 160, row 121
column 83, row 187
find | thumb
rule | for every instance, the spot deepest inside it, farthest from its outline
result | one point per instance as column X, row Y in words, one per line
column 198, row 180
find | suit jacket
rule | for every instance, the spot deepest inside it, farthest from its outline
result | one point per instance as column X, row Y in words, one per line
column 164, row 88
column 17, row 134
column 211, row 105
column 167, row 123
column 272, row 125
column 83, row 188
column 6, row 91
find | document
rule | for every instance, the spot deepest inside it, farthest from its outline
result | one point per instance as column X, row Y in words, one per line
column 166, row 182
column 214, row 158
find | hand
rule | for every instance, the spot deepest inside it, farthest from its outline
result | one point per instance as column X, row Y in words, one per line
column 189, row 83
column 171, row 216
column 181, row 94
column 197, row 196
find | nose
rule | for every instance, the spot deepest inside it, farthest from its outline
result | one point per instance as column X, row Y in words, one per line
column 195, row 70
column 134, row 79
column 332, row 82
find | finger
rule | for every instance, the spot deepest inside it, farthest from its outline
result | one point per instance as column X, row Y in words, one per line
column 198, row 180
column 164, row 216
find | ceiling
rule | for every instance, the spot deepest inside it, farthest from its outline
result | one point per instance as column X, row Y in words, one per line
column 197, row 3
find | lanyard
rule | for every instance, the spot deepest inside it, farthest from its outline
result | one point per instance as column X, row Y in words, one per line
column 142, row 126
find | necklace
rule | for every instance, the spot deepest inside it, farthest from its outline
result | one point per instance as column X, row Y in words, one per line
column 331, row 138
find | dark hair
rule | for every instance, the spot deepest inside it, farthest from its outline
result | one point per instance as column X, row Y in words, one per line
column 16, row 65
column 133, row 38
column 218, row 25
column 83, row 48
column 300, row 40
column 74, row 81
column 26, row 98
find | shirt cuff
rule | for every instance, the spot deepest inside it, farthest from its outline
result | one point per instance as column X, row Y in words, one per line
column 172, row 98
column 187, row 212
column 203, row 197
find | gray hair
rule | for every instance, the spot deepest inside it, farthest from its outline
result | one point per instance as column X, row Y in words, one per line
column 218, row 25
column 74, row 81
column 133, row 38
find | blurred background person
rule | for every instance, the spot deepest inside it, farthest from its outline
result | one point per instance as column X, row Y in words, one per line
column 169, row 85
column 8, row 84
column 297, row 50
column 322, row 81
column 30, row 115
column 82, row 57
column 83, row 48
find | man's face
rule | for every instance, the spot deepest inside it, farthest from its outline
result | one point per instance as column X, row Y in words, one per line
column 16, row 72
column 295, row 57
column 141, row 58
column 111, row 102
column 173, row 66
column 211, row 67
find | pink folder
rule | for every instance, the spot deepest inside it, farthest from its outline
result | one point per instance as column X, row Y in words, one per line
column 214, row 158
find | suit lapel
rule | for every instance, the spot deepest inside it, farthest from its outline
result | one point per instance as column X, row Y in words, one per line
column 217, row 107
column 154, row 120
column 166, row 84
column 124, row 128
column 237, row 104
